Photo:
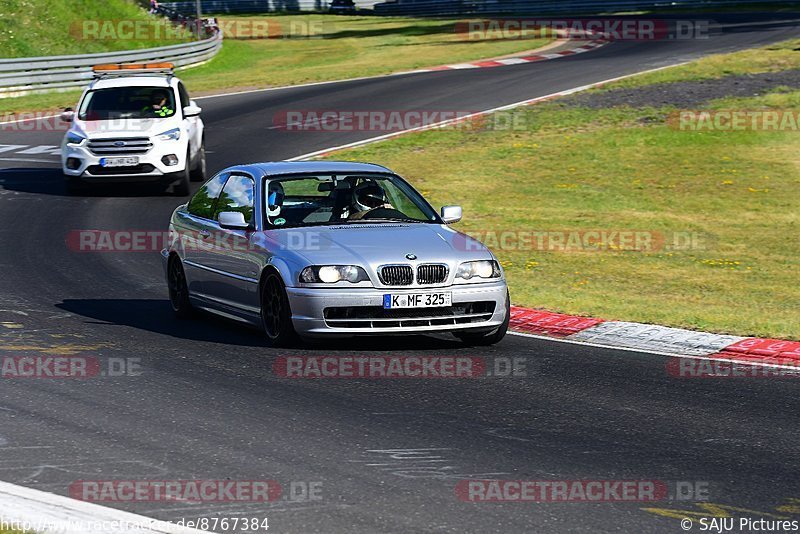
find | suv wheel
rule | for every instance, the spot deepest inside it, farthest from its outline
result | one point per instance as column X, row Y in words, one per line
column 181, row 187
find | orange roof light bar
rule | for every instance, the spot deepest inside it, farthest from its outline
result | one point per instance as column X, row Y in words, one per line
column 133, row 66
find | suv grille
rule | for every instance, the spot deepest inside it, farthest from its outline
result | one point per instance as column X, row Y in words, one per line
column 431, row 274
column 132, row 145
column 396, row 275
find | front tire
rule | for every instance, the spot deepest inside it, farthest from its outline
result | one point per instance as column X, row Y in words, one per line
column 178, row 289
column 483, row 339
column 276, row 315
column 181, row 187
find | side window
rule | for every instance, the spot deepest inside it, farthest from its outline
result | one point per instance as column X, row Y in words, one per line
column 184, row 94
column 204, row 201
column 237, row 195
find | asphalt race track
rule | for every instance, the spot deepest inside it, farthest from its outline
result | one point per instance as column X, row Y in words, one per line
column 388, row 453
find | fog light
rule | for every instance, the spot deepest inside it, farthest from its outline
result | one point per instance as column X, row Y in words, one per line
column 73, row 164
column 170, row 160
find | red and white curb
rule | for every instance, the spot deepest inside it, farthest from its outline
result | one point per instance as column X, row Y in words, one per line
column 655, row 339
column 47, row 513
column 534, row 58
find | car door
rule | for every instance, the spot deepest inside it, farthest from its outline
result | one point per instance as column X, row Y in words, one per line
column 191, row 123
column 234, row 264
column 196, row 227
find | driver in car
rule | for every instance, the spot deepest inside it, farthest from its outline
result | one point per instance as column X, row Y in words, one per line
column 370, row 198
column 158, row 104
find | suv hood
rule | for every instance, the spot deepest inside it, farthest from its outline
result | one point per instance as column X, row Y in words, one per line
column 111, row 129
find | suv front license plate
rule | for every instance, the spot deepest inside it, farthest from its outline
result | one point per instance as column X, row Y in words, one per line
column 119, row 162
column 393, row 301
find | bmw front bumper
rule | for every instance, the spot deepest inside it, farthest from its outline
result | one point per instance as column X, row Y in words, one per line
column 347, row 312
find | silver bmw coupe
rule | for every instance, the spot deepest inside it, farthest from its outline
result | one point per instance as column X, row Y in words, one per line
column 311, row 249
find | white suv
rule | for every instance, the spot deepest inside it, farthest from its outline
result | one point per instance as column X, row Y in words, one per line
column 134, row 123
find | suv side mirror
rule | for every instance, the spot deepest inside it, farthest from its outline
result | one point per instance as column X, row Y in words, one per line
column 192, row 110
column 451, row 214
column 68, row 115
column 233, row 220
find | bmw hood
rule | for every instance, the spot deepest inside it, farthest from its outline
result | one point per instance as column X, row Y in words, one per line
column 371, row 245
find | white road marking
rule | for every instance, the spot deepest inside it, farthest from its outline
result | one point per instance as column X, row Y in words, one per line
column 41, row 149
column 33, row 160
column 12, row 148
column 54, row 512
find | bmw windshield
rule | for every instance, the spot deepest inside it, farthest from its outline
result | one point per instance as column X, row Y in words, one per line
column 297, row 201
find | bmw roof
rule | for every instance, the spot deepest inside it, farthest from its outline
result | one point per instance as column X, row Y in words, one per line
column 273, row 168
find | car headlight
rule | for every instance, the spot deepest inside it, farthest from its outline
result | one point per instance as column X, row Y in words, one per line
column 74, row 138
column 330, row 274
column 479, row 269
column 170, row 135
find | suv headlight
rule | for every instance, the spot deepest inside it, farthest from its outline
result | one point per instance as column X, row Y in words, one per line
column 170, row 135
column 479, row 269
column 330, row 274
column 74, row 138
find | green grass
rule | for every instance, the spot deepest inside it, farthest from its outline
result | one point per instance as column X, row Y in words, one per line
column 345, row 47
column 773, row 58
column 573, row 169
column 31, row 28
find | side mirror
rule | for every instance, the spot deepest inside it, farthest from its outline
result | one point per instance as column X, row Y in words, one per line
column 68, row 115
column 192, row 110
column 451, row 214
column 233, row 220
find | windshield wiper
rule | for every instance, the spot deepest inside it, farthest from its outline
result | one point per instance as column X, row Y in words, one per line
column 386, row 219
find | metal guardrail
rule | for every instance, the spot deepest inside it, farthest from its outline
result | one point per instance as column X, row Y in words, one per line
column 459, row 7
column 545, row 7
column 257, row 6
column 20, row 76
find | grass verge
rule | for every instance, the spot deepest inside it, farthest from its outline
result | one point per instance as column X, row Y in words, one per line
column 720, row 208
column 772, row 58
column 32, row 28
column 316, row 48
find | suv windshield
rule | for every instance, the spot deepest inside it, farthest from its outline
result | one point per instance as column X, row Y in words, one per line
column 344, row 199
column 128, row 103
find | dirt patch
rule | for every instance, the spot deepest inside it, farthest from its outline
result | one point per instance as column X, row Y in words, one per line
column 689, row 94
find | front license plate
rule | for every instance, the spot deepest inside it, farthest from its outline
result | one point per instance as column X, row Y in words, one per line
column 417, row 300
column 119, row 162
